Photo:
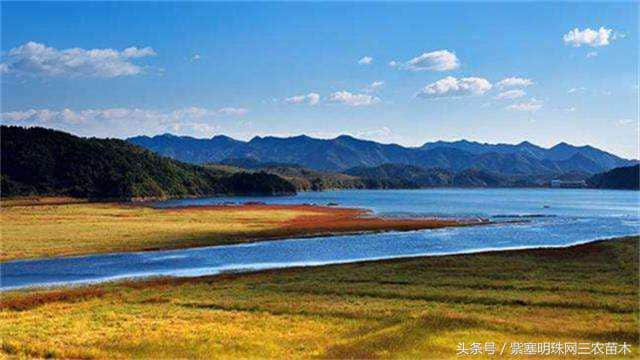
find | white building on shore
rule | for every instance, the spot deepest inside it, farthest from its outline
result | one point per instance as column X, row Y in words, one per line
column 568, row 184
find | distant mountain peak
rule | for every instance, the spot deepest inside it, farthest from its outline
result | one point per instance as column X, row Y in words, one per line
column 283, row 138
column 347, row 151
column 221, row 137
column 562, row 145
column 301, row 137
column 173, row 136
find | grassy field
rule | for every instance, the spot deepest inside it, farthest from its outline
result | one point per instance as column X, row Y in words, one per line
column 44, row 230
column 75, row 229
column 410, row 308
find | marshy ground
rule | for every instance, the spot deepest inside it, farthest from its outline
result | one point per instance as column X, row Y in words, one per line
column 406, row 308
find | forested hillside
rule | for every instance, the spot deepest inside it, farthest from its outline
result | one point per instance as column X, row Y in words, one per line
column 304, row 179
column 38, row 161
column 623, row 178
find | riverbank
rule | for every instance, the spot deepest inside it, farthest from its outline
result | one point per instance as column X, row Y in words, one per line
column 403, row 308
column 55, row 230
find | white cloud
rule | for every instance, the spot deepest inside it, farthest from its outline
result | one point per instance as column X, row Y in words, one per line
column 578, row 89
column 624, row 122
column 374, row 86
column 382, row 134
column 130, row 52
column 570, row 109
column 37, row 59
column 71, row 117
column 512, row 82
column 366, row 60
column 313, row 98
column 195, row 57
column 452, row 87
column 532, row 105
column 44, row 115
column 592, row 54
column 347, row 98
column 440, row 60
column 232, row 111
column 589, row 37
column 125, row 122
column 310, row 98
column 511, row 94
column 297, row 99
column 393, row 63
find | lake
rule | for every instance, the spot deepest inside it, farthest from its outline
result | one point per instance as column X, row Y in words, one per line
column 551, row 218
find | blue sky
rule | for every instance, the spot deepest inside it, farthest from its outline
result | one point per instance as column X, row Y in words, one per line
column 323, row 69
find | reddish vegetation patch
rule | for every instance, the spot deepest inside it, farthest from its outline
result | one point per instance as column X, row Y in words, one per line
column 40, row 200
column 350, row 220
column 264, row 207
column 329, row 220
column 36, row 299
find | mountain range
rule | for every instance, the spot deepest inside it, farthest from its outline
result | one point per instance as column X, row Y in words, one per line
column 346, row 152
column 45, row 162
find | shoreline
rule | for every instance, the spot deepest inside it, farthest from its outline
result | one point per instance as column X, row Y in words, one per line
column 361, row 310
column 301, row 237
column 35, row 200
column 357, row 310
column 198, row 226
column 380, row 261
column 150, row 280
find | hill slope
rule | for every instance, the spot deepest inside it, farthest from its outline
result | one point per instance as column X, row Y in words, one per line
column 559, row 152
column 304, row 179
column 624, row 178
column 345, row 152
column 38, row 161
column 401, row 176
column 413, row 177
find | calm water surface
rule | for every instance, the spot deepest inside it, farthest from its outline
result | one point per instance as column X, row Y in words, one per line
column 554, row 218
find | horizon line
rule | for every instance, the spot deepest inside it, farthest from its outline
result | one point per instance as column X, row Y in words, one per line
column 283, row 137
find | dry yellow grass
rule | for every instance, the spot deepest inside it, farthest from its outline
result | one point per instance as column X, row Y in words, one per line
column 76, row 229
column 410, row 308
column 73, row 229
column 39, row 200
